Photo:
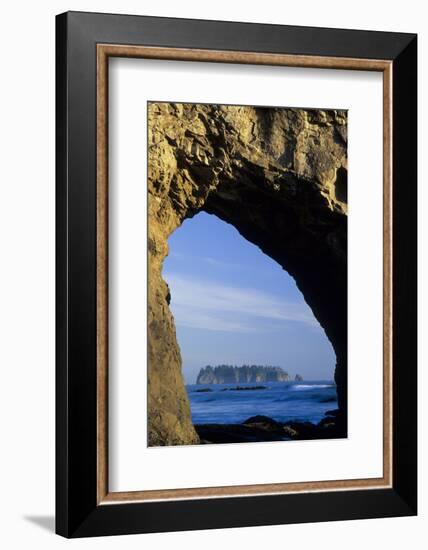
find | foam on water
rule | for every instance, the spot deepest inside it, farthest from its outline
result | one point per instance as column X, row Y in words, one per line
column 282, row 401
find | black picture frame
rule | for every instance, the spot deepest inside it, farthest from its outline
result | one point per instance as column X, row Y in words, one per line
column 78, row 513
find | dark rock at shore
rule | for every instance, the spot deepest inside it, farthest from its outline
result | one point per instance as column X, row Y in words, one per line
column 234, row 433
column 263, row 423
column 306, row 430
column 290, row 432
column 327, row 422
column 203, row 390
column 264, row 428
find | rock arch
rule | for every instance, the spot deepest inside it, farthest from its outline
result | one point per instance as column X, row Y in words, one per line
column 278, row 176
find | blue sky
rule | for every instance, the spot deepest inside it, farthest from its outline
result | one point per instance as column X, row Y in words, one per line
column 232, row 304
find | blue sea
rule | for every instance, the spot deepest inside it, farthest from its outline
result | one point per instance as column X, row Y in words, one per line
column 282, row 401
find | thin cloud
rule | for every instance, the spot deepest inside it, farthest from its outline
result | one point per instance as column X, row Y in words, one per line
column 186, row 316
column 213, row 261
column 177, row 255
column 207, row 259
column 205, row 304
column 222, row 264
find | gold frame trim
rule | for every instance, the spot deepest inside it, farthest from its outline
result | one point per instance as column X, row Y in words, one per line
column 104, row 51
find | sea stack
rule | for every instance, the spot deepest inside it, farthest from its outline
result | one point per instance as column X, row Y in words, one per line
column 229, row 374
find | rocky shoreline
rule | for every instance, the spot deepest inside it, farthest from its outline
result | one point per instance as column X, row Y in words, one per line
column 262, row 428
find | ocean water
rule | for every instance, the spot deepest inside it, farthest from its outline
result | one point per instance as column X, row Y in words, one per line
column 282, row 401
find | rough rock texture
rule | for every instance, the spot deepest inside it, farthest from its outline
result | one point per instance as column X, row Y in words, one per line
column 280, row 177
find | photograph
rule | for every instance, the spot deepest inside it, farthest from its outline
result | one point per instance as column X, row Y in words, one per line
column 247, row 273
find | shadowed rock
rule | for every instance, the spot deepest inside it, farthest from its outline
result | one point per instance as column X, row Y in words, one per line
column 262, row 428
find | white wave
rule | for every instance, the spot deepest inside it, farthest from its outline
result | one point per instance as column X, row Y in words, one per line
column 311, row 386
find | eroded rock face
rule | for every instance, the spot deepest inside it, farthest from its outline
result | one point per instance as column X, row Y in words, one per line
column 280, row 177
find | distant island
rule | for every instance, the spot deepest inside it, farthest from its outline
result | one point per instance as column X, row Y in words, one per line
column 231, row 374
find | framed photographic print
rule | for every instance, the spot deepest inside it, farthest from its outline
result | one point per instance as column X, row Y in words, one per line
column 236, row 274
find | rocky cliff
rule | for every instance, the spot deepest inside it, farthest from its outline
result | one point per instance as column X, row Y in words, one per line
column 228, row 374
column 280, row 177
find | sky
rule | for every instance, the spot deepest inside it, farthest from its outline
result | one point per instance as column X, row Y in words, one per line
column 232, row 304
